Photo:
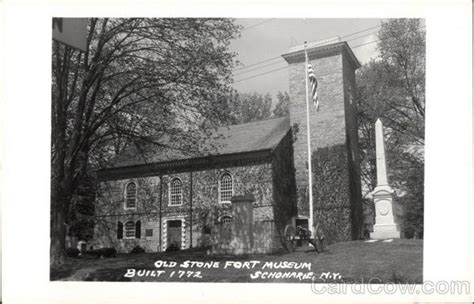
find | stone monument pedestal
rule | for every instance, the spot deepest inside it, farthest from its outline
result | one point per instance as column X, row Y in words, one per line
column 386, row 213
column 385, row 224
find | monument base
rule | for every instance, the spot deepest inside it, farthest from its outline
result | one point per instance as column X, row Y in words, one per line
column 385, row 231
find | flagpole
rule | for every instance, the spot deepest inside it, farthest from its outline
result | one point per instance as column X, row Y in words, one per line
column 310, row 171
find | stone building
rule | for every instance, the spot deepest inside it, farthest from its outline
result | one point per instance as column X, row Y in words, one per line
column 171, row 200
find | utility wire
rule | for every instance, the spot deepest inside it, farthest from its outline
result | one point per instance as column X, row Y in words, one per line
column 367, row 29
column 286, row 67
column 255, row 25
column 279, row 57
column 279, row 69
column 262, row 74
column 257, row 63
column 258, row 68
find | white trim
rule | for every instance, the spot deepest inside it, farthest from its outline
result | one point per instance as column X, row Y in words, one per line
column 125, row 195
column 169, row 192
column 164, row 230
column 219, row 186
column 223, row 216
column 125, row 230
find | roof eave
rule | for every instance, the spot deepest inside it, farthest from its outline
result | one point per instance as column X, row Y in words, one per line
column 183, row 165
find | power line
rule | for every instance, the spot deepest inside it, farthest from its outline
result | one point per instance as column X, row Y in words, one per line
column 255, row 25
column 367, row 29
column 354, row 47
column 279, row 57
column 262, row 74
column 257, row 63
column 275, row 70
column 279, row 69
column 258, row 68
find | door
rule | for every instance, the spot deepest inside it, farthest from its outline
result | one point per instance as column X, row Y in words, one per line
column 174, row 234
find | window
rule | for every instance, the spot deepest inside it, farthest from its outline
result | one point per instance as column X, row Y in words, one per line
column 176, row 192
column 149, row 232
column 225, row 188
column 226, row 219
column 129, row 230
column 131, row 196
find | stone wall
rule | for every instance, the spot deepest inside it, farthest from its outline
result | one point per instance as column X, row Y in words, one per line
column 327, row 124
column 244, row 235
column 331, row 193
column 353, row 150
column 333, row 126
column 153, row 208
column 284, row 193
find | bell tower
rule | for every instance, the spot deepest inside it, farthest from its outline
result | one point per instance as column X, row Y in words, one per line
column 334, row 137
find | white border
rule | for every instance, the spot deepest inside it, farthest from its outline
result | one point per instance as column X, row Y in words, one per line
column 26, row 133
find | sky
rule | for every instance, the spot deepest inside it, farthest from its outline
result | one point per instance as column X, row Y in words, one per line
column 263, row 39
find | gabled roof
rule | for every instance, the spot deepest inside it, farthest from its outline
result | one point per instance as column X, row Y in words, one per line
column 248, row 137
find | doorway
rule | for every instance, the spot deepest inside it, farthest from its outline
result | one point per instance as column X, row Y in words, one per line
column 174, row 234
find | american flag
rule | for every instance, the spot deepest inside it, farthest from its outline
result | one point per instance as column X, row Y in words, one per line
column 314, row 86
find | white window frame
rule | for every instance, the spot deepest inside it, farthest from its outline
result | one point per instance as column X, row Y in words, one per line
column 169, row 192
column 232, row 184
column 221, row 219
column 125, row 207
column 125, row 230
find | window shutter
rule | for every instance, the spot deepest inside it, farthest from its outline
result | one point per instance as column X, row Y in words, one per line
column 138, row 229
column 119, row 230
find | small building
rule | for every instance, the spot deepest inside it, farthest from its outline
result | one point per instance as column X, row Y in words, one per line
column 162, row 198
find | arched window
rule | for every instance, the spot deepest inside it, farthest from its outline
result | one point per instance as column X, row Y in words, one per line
column 129, row 230
column 225, row 188
column 131, row 196
column 176, row 192
column 226, row 219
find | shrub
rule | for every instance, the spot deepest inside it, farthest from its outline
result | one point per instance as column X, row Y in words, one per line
column 72, row 252
column 172, row 247
column 137, row 249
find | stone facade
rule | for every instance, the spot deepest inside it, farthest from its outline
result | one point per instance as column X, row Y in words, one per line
column 267, row 159
column 200, row 210
column 334, row 124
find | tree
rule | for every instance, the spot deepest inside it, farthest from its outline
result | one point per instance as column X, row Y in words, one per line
column 392, row 88
column 282, row 108
column 139, row 79
column 248, row 107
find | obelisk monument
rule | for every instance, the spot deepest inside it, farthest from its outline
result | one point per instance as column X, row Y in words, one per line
column 385, row 224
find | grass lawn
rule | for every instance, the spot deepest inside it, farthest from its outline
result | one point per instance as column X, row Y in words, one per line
column 400, row 261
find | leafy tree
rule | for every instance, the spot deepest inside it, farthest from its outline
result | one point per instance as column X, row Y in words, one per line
column 248, row 107
column 392, row 88
column 139, row 79
column 282, row 108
